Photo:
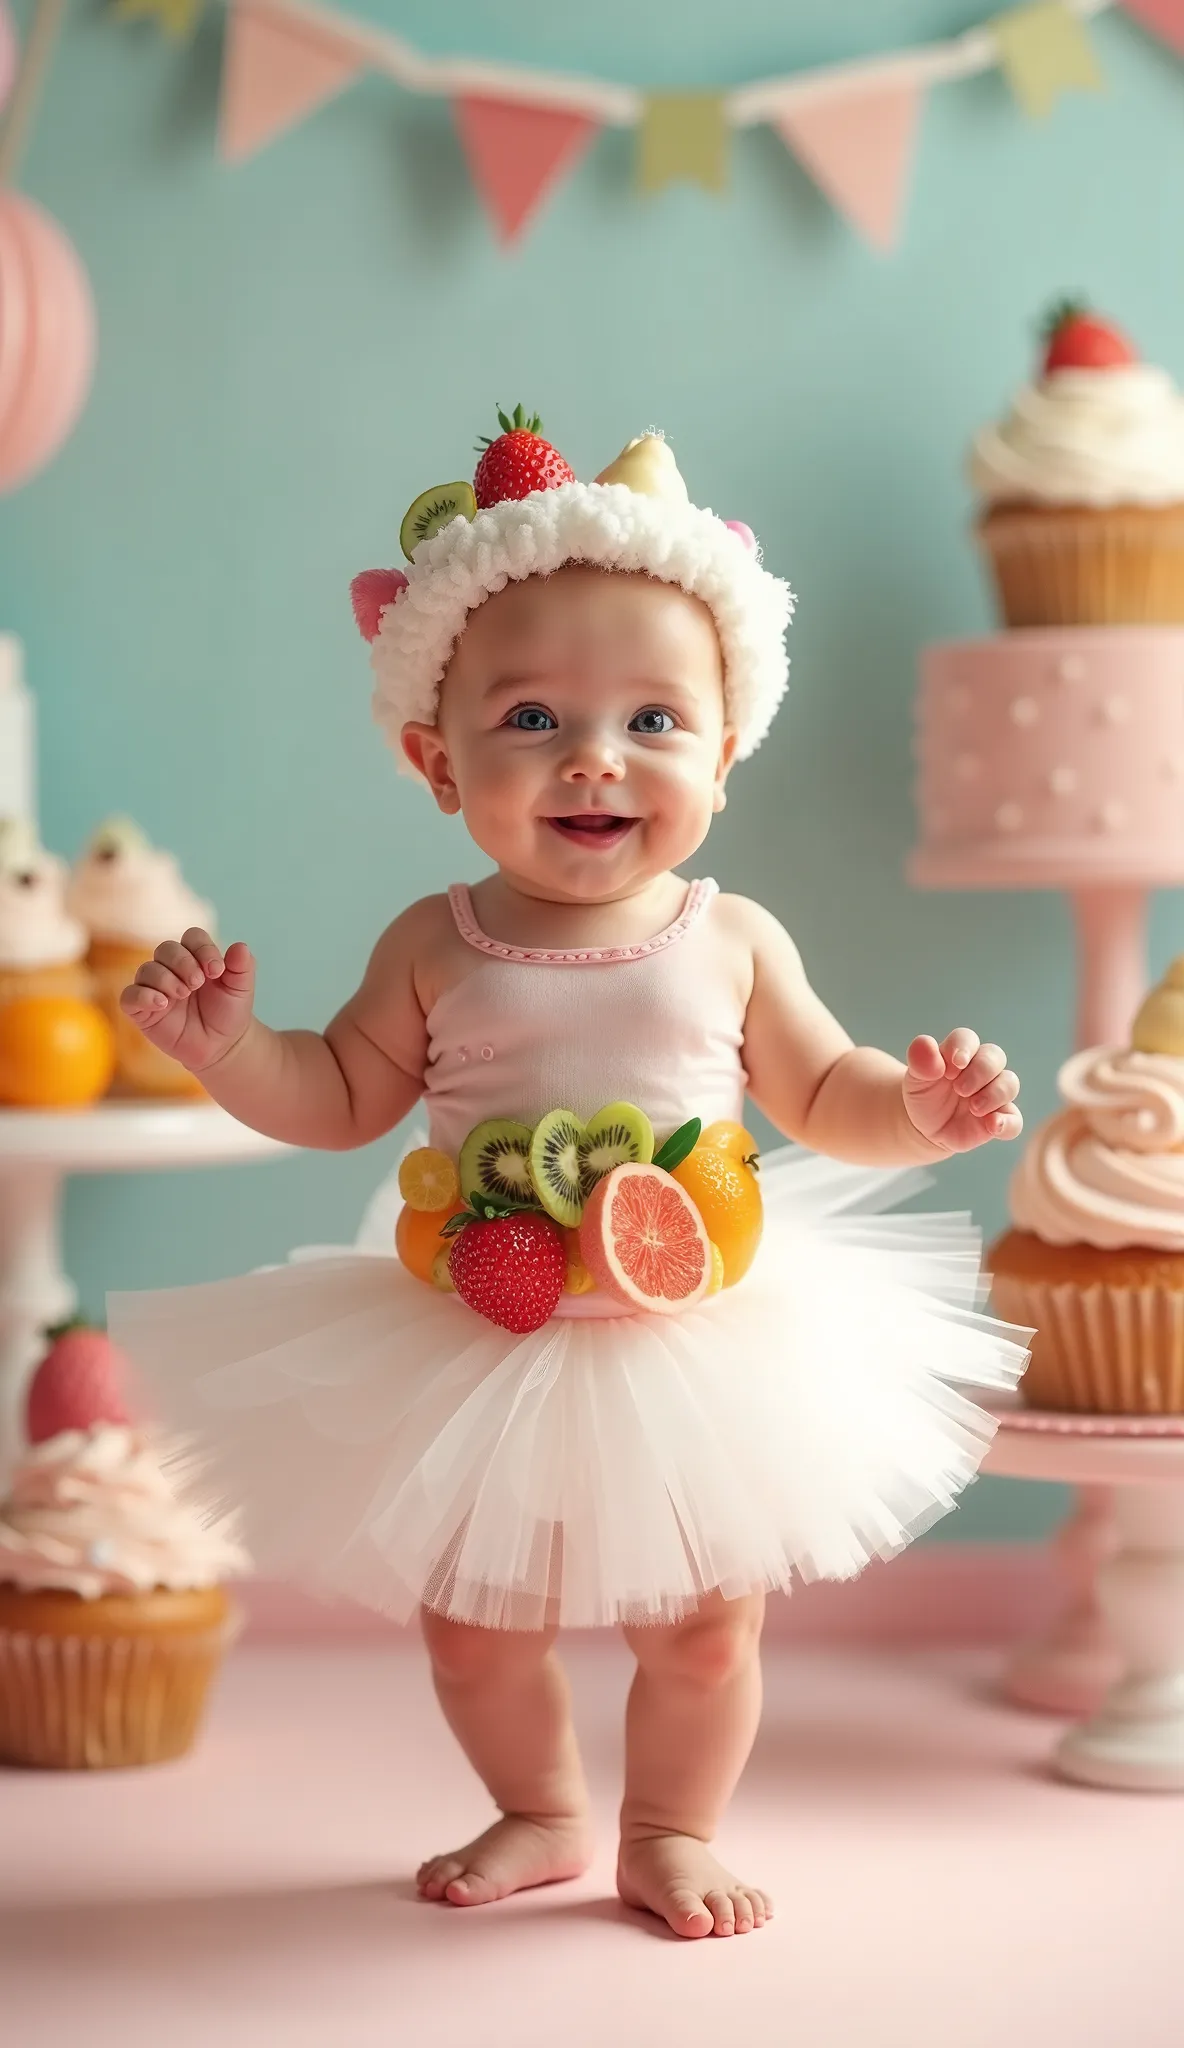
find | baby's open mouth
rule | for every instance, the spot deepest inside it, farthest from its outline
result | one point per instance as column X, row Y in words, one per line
column 593, row 828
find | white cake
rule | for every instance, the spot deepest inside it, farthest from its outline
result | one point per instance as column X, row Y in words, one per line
column 18, row 780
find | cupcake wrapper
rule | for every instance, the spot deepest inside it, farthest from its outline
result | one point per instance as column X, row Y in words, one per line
column 1089, row 572
column 1099, row 1350
column 104, row 1703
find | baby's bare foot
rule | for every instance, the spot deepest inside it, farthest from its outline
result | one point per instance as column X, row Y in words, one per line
column 680, row 1880
column 515, row 1853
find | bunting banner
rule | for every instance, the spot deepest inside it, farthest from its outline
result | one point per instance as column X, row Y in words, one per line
column 684, row 136
column 9, row 52
column 852, row 126
column 516, row 153
column 858, row 148
column 1045, row 51
column 276, row 70
column 1164, row 18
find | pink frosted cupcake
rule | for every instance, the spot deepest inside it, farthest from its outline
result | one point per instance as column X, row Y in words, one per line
column 42, row 947
column 1095, row 1260
column 130, row 896
column 113, row 1620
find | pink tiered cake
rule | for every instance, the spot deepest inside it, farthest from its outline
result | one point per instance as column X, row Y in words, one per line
column 1052, row 759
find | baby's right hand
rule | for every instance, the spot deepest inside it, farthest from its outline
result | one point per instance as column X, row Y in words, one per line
column 191, row 1000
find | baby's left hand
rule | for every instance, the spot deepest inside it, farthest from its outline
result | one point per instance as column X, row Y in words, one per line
column 961, row 1093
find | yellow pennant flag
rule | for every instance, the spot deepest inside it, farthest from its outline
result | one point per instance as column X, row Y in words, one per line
column 177, row 17
column 683, row 135
column 1045, row 51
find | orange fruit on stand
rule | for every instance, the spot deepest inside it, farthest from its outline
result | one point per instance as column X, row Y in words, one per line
column 726, row 1192
column 56, row 1052
column 428, row 1179
column 418, row 1239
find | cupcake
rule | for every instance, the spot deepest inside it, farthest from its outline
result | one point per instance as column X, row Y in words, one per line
column 1095, row 1261
column 1081, row 487
column 42, row 948
column 130, row 897
column 112, row 1618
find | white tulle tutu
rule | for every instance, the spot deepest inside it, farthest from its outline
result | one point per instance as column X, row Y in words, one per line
column 387, row 1444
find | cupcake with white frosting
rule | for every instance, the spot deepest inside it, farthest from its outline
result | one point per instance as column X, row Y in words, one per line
column 113, row 1618
column 1081, row 486
column 1095, row 1259
column 42, row 947
column 131, row 896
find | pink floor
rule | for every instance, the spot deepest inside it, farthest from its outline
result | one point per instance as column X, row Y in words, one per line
column 934, row 1884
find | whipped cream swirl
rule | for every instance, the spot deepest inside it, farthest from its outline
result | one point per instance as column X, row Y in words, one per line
column 1087, row 437
column 1108, row 1169
column 91, row 1512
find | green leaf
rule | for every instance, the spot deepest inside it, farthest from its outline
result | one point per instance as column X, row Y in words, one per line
column 678, row 1145
column 456, row 1224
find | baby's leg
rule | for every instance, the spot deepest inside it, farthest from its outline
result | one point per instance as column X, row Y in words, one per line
column 692, row 1717
column 506, row 1700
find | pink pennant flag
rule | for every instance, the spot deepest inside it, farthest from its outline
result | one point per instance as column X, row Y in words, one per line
column 858, row 148
column 1164, row 18
column 517, row 153
column 276, row 70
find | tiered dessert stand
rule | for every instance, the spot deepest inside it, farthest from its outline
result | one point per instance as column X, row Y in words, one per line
column 1054, row 759
column 38, row 1148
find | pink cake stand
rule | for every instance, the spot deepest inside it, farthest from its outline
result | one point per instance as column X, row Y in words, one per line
column 1133, row 1740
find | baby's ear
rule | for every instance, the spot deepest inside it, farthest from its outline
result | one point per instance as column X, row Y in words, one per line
column 371, row 593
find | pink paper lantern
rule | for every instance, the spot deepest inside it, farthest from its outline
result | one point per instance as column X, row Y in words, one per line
column 47, row 338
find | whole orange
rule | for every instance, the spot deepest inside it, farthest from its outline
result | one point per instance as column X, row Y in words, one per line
column 418, row 1239
column 732, row 1139
column 727, row 1195
column 56, row 1052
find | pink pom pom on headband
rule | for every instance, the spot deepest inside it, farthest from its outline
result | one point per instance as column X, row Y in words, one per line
column 529, row 516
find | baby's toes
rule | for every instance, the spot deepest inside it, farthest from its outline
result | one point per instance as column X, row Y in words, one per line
column 436, row 1874
column 752, row 1909
column 471, row 1888
column 687, row 1913
column 722, row 1909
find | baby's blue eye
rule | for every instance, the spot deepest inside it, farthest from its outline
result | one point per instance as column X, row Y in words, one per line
column 532, row 718
column 651, row 720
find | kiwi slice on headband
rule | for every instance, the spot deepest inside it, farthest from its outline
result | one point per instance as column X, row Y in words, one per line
column 495, row 1160
column 555, row 1155
column 434, row 509
column 619, row 1135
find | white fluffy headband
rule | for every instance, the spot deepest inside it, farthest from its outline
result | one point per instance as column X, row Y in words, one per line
column 414, row 620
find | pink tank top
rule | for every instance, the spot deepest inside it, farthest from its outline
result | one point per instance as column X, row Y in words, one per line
column 657, row 1024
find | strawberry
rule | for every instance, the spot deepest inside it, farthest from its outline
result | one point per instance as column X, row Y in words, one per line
column 1076, row 339
column 78, row 1384
column 518, row 462
column 508, row 1263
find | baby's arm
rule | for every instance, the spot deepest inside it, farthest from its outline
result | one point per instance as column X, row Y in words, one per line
column 330, row 1090
column 854, row 1102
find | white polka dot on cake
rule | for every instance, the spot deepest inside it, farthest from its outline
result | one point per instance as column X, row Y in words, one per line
column 1009, row 817
column 1112, row 815
column 1116, row 710
column 967, row 767
column 1062, row 781
column 958, row 699
column 1071, row 668
column 1024, row 711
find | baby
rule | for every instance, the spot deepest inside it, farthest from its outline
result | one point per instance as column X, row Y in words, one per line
column 576, row 669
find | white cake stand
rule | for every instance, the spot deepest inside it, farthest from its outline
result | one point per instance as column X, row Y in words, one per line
column 38, row 1148
column 1134, row 1741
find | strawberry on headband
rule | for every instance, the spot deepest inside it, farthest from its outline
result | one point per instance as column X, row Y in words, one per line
column 526, row 514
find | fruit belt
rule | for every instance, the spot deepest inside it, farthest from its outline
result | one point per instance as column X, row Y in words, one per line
column 524, row 1215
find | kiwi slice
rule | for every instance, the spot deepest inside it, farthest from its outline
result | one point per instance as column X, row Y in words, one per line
column 620, row 1135
column 495, row 1160
column 434, row 509
column 555, row 1165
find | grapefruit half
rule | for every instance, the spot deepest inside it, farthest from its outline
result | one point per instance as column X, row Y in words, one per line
column 644, row 1242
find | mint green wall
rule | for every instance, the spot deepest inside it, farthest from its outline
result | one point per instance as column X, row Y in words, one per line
column 291, row 350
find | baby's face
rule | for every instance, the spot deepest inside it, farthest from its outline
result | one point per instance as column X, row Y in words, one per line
column 581, row 732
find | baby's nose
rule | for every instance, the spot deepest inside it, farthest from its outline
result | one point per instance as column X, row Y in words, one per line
column 593, row 757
